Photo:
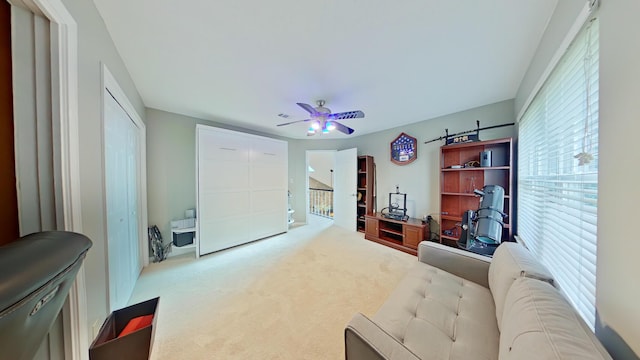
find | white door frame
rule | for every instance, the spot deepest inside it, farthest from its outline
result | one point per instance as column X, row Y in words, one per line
column 64, row 89
column 111, row 86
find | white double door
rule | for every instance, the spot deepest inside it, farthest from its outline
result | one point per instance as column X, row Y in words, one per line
column 242, row 188
column 122, row 141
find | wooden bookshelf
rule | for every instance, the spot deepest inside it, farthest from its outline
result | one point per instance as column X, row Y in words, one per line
column 365, row 184
column 457, row 184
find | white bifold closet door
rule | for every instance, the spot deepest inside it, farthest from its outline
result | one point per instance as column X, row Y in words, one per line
column 241, row 188
column 121, row 164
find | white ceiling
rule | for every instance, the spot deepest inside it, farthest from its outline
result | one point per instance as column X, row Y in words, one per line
column 243, row 62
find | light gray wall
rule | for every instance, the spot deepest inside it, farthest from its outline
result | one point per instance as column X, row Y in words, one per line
column 95, row 47
column 171, row 165
column 617, row 293
column 322, row 162
column 561, row 21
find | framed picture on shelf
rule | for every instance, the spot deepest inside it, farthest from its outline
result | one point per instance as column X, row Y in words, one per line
column 404, row 149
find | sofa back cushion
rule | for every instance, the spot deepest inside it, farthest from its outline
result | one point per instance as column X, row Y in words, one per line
column 512, row 261
column 538, row 323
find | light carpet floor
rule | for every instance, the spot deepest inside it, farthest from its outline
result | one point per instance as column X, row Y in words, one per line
column 285, row 297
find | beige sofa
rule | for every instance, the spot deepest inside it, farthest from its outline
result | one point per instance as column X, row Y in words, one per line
column 457, row 305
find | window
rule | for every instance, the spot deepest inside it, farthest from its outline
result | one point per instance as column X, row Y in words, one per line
column 558, row 172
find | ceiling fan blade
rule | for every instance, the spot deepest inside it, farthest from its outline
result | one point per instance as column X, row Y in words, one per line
column 293, row 122
column 346, row 115
column 308, row 107
column 342, row 128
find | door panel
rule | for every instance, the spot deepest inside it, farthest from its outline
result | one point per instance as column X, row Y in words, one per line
column 267, row 175
column 224, row 233
column 225, row 204
column 267, row 200
column 371, row 227
column 412, row 236
column 224, row 147
column 267, row 151
column 267, row 224
column 121, row 176
column 224, row 175
column 345, row 179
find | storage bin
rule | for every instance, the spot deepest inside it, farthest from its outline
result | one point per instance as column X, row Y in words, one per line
column 182, row 239
column 133, row 346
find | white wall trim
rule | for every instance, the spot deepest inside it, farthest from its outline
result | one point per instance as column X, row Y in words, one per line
column 64, row 74
column 564, row 45
column 111, row 85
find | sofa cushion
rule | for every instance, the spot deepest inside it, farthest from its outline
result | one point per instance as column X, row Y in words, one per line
column 538, row 323
column 437, row 315
column 512, row 261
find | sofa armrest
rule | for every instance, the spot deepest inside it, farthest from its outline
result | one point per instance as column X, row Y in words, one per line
column 467, row 265
column 365, row 340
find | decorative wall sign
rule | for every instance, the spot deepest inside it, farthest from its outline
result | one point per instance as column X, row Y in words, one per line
column 404, row 149
column 462, row 139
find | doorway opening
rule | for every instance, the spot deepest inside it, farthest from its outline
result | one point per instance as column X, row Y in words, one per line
column 320, row 183
column 341, row 205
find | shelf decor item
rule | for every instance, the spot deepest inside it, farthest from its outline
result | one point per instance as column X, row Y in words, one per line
column 461, row 137
column 404, row 149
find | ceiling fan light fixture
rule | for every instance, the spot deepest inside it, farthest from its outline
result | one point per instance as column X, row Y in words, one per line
column 323, row 121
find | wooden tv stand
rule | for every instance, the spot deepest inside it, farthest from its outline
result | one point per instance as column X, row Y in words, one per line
column 402, row 235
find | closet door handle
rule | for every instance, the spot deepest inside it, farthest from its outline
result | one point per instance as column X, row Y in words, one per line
column 228, row 149
column 270, row 154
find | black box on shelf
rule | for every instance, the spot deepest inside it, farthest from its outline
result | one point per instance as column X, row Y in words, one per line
column 182, row 239
column 135, row 345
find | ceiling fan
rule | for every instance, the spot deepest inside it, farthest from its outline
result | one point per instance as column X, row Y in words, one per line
column 323, row 121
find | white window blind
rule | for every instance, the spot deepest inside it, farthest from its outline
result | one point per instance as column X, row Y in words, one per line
column 558, row 172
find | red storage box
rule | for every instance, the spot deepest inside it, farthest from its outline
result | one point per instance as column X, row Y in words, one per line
column 134, row 345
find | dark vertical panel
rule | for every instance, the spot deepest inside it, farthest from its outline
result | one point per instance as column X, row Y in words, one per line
column 8, row 196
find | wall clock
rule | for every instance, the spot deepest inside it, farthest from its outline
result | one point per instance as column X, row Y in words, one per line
column 404, row 149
